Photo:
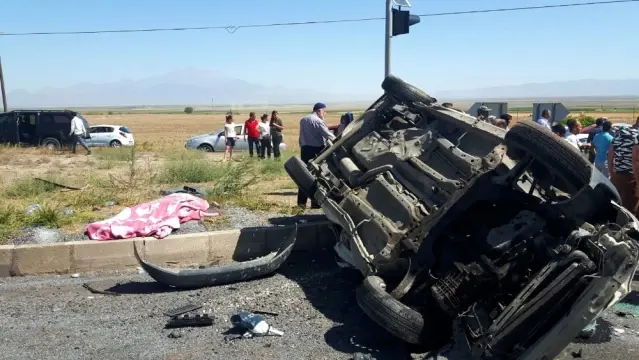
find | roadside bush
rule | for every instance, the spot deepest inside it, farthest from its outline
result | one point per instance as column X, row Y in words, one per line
column 188, row 110
column 583, row 119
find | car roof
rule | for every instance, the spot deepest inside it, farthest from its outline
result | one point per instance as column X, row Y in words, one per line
column 110, row 125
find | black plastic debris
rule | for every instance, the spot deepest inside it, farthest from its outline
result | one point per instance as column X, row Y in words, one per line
column 182, row 310
column 189, row 321
column 184, row 190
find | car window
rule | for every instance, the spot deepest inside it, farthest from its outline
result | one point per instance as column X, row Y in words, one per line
column 61, row 119
column 45, row 119
column 108, row 129
column 125, row 129
column 238, row 129
column 94, row 130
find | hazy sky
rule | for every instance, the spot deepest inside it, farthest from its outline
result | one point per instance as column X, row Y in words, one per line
column 440, row 53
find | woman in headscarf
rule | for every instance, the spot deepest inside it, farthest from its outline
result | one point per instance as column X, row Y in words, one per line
column 344, row 121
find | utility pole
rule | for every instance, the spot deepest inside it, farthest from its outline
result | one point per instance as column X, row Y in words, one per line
column 389, row 35
column 4, row 94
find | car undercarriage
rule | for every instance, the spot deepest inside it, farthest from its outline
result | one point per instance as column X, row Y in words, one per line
column 510, row 238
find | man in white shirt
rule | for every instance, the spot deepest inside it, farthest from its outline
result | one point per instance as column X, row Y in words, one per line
column 544, row 120
column 78, row 132
column 574, row 128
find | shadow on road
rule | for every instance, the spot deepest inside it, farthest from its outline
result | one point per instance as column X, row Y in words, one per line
column 331, row 290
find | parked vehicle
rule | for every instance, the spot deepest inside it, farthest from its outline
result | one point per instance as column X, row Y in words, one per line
column 216, row 141
column 46, row 128
column 471, row 239
column 110, row 135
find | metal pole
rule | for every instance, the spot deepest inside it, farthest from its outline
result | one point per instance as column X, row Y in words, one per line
column 4, row 94
column 389, row 34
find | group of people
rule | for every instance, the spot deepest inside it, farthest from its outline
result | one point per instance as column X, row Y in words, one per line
column 265, row 135
column 614, row 152
column 483, row 113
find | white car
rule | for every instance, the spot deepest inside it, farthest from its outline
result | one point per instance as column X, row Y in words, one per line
column 110, row 135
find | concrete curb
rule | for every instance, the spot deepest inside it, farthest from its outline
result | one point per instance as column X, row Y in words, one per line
column 220, row 247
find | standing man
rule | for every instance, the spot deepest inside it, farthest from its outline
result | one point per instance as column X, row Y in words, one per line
column 622, row 165
column 483, row 112
column 600, row 146
column 78, row 133
column 313, row 134
column 574, row 128
column 252, row 134
column 544, row 120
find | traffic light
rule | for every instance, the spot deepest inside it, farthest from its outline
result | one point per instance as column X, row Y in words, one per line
column 402, row 21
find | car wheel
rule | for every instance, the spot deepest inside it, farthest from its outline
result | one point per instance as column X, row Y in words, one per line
column 115, row 143
column 388, row 312
column 206, row 148
column 297, row 170
column 405, row 92
column 51, row 143
column 570, row 169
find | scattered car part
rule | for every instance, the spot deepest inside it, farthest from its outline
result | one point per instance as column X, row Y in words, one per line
column 186, row 320
column 253, row 323
column 96, row 291
column 260, row 312
column 504, row 232
column 220, row 275
column 60, row 185
column 182, row 310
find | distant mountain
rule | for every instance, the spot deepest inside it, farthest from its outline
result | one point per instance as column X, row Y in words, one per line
column 558, row 89
column 180, row 87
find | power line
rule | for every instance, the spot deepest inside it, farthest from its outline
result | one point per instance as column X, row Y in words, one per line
column 233, row 28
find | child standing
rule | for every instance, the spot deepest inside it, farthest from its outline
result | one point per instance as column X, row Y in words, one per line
column 265, row 137
column 230, row 136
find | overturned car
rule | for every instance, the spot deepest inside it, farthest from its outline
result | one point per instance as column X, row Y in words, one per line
column 510, row 238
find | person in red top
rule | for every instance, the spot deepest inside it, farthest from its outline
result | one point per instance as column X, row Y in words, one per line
column 252, row 133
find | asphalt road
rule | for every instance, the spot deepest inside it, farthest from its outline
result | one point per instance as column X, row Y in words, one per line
column 54, row 317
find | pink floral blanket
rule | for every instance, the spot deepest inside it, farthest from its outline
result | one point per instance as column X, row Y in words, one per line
column 157, row 218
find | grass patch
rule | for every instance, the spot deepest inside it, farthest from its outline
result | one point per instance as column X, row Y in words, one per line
column 114, row 154
column 28, row 188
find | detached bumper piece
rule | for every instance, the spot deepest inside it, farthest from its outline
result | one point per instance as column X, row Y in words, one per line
column 221, row 275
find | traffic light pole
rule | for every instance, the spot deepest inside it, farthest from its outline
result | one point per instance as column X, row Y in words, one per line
column 389, row 35
column 4, row 94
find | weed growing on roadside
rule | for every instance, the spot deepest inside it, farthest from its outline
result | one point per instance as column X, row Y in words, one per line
column 113, row 154
column 28, row 188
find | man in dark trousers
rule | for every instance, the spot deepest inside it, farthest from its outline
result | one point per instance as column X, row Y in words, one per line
column 313, row 133
column 252, row 134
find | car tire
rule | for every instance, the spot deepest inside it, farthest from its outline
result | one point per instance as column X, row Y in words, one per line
column 388, row 312
column 297, row 170
column 405, row 92
column 206, row 148
column 572, row 169
column 51, row 143
column 115, row 143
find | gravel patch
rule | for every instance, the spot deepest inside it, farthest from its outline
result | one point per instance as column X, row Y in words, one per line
column 58, row 319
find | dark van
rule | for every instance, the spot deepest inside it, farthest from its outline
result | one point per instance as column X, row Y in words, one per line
column 46, row 128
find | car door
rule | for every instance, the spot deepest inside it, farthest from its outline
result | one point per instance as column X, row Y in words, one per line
column 240, row 143
column 93, row 133
column 108, row 135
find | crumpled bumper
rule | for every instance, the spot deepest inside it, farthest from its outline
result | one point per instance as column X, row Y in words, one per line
column 220, row 275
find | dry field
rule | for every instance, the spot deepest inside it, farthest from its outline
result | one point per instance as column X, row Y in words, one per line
column 128, row 177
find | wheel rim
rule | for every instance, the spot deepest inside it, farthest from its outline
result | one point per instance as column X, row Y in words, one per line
column 50, row 146
column 205, row 148
column 115, row 144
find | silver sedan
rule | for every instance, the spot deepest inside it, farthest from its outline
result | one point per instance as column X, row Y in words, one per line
column 215, row 141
